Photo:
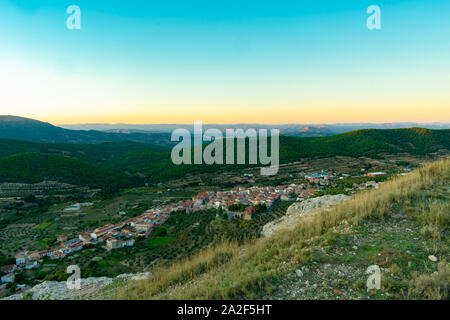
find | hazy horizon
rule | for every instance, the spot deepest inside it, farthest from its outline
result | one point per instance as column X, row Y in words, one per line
column 443, row 123
column 286, row 123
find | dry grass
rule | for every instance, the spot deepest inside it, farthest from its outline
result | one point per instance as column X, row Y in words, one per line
column 229, row 271
column 435, row 218
column 434, row 286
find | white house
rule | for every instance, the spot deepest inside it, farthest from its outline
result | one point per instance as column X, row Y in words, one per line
column 8, row 278
column 32, row 265
column 20, row 258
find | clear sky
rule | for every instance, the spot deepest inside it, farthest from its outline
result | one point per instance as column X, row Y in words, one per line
column 225, row 61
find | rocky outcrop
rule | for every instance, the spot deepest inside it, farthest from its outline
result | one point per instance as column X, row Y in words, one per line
column 300, row 210
column 58, row 290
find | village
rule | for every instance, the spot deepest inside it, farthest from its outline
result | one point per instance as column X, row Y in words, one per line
column 124, row 234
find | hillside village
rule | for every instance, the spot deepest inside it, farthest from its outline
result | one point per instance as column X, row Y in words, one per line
column 123, row 234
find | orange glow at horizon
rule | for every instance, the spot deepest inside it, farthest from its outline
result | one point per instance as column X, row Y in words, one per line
column 268, row 115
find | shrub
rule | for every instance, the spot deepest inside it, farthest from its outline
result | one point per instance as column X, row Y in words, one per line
column 432, row 286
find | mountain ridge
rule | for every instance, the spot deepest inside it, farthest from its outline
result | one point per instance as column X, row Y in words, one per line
column 20, row 128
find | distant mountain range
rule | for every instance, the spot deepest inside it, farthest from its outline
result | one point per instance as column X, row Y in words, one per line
column 18, row 128
column 299, row 130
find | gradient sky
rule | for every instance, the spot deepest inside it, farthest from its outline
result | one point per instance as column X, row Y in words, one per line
column 225, row 61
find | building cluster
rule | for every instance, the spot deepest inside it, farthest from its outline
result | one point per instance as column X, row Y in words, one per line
column 320, row 178
column 24, row 261
column 248, row 197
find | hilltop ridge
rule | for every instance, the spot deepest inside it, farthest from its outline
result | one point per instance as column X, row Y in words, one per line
column 19, row 128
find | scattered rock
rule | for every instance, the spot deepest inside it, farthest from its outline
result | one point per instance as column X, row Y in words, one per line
column 432, row 258
column 58, row 290
column 299, row 273
column 337, row 292
column 300, row 210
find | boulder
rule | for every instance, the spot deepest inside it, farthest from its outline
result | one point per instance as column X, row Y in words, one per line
column 301, row 210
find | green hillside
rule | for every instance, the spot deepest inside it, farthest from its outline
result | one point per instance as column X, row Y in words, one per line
column 97, row 153
column 365, row 143
column 155, row 164
column 372, row 142
column 36, row 167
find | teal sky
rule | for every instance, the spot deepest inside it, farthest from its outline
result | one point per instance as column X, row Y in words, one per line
column 225, row 61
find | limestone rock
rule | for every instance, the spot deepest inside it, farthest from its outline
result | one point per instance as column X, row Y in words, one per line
column 58, row 290
column 300, row 210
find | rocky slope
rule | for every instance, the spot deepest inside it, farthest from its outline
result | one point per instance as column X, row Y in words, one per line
column 58, row 290
column 300, row 210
